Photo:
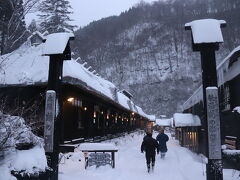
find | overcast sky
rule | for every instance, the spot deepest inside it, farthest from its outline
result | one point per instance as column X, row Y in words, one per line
column 86, row 11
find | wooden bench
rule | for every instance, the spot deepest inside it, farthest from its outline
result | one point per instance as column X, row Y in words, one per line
column 101, row 158
column 230, row 142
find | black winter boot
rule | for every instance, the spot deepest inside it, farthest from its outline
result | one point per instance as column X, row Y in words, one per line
column 148, row 167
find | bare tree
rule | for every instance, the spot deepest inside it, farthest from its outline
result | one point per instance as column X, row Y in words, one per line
column 12, row 23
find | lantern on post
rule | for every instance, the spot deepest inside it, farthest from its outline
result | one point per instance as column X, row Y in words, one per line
column 57, row 46
column 206, row 37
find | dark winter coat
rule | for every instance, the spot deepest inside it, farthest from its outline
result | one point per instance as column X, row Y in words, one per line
column 162, row 139
column 149, row 145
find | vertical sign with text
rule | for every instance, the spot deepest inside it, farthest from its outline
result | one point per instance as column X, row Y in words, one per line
column 213, row 119
column 50, row 112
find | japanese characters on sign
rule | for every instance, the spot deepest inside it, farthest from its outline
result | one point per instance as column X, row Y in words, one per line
column 99, row 159
column 213, row 119
column 50, row 106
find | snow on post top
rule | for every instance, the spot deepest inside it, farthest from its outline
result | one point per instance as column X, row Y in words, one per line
column 206, row 30
column 56, row 43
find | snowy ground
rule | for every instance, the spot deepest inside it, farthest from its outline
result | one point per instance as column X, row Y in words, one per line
column 179, row 164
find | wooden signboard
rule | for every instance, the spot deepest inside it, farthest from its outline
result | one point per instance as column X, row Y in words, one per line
column 213, row 123
column 50, row 112
column 99, row 159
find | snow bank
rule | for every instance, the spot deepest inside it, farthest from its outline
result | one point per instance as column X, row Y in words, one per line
column 237, row 109
column 5, row 173
column 15, row 134
column 186, row 119
column 30, row 161
column 206, row 31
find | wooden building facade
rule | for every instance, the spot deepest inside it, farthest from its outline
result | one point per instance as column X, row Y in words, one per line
column 187, row 130
column 92, row 106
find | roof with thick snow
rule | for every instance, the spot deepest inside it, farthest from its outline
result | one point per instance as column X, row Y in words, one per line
column 206, row 31
column 164, row 122
column 152, row 117
column 186, row 120
column 26, row 66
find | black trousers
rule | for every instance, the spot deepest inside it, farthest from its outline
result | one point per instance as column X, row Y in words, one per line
column 150, row 158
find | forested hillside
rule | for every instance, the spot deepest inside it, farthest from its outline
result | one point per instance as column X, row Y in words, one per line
column 147, row 51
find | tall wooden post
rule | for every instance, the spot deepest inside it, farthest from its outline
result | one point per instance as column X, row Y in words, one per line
column 57, row 55
column 54, row 83
column 207, row 43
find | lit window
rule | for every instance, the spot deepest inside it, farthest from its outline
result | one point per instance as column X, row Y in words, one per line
column 70, row 99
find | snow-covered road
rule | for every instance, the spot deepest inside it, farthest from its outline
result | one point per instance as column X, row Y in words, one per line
column 179, row 164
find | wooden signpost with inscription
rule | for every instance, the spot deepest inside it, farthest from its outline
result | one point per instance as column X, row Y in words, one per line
column 214, row 139
column 206, row 37
column 53, row 128
column 50, row 113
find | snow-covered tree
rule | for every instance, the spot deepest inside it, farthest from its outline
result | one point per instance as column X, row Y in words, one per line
column 55, row 16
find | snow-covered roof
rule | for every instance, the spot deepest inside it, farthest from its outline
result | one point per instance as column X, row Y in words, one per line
column 97, row 146
column 164, row 122
column 56, row 43
column 34, row 70
column 140, row 112
column 206, row 30
column 126, row 93
column 186, row 119
column 226, row 73
column 194, row 99
column 152, row 117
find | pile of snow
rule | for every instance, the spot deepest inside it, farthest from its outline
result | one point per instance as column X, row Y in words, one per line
column 186, row 119
column 32, row 161
column 206, row 30
column 237, row 109
column 15, row 134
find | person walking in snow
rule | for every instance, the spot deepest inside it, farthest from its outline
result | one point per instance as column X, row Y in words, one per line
column 162, row 139
column 150, row 145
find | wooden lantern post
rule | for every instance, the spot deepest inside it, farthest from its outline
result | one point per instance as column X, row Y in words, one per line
column 58, row 48
column 206, row 36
